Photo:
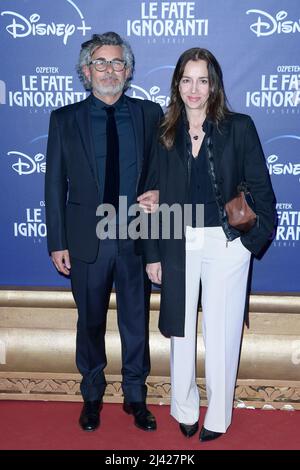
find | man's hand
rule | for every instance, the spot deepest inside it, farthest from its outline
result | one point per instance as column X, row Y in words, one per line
column 61, row 260
column 154, row 272
column 148, row 201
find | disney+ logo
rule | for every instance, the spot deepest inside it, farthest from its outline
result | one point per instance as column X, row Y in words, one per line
column 26, row 165
column 266, row 24
column 21, row 26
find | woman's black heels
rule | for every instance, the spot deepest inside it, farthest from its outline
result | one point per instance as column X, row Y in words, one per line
column 188, row 430
column 206, row 435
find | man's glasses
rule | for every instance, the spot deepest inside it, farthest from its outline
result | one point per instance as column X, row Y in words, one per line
column 101, row 64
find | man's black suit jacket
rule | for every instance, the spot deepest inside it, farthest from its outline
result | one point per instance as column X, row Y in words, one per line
column 72, row 192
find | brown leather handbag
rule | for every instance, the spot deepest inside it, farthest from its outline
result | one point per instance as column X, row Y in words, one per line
column 240, row 214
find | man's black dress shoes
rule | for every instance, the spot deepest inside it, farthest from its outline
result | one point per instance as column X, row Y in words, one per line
column 90, row 415
column 206, row 435
column 143, row 419
column 188, row 430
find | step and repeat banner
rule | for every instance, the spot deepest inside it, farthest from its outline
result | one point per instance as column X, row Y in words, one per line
column 257, row 44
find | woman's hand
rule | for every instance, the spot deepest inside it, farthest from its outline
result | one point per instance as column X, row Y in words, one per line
column 148, row 201
column 154, row 272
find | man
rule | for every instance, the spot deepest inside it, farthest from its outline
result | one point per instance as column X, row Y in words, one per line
column 96, row 149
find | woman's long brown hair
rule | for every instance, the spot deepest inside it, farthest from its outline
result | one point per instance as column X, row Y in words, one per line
column 217, row 102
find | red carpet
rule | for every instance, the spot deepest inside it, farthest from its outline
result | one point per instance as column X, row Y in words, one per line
column 53, row 425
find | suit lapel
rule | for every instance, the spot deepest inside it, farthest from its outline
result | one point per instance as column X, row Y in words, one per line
column 180, row 141
column 219, row 139
column 136, row 113
column 83, row 120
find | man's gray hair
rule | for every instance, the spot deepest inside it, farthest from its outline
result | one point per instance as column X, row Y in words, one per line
column 99, row 40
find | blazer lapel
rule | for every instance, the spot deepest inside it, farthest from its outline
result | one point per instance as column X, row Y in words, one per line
column 180, row 141
column 83, row 119
column 138, row 123
column 219, row 139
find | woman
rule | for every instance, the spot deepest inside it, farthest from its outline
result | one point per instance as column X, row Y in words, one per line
column 204, row 153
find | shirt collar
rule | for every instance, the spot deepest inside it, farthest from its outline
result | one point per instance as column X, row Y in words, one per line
column 99, row 104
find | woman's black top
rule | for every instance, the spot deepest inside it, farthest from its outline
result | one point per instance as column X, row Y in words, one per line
column 201, row 191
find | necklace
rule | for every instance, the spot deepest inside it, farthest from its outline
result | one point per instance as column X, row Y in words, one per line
column 196, row 136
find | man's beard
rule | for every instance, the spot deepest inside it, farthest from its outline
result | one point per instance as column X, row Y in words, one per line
column 110, row 90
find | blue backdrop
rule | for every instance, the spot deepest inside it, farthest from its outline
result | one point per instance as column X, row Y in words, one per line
column 257, row 45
